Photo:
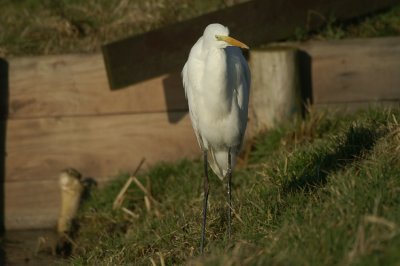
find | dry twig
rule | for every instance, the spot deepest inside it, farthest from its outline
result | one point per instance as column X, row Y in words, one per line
column 121, row 195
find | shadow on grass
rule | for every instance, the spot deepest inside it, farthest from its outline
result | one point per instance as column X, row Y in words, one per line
column 358, row 141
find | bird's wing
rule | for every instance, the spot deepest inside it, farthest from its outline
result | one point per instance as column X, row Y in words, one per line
column 241, row 72
column 191, row 75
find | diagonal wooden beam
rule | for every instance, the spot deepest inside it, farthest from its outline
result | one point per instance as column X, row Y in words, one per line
column 255, row 22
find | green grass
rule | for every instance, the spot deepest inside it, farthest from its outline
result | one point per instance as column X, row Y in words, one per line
column 325, row 191
column 29, row 27
column 379, row 24
column 65, row 26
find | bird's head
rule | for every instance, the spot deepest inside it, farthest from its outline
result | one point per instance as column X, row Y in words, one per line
column 217, row 35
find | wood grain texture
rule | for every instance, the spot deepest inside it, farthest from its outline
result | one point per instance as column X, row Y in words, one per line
column 71, row 85
column 275, row 92
column 32, row 204
column 35, row 204
column 38, row 149
column 74, row 85
column 358, row 70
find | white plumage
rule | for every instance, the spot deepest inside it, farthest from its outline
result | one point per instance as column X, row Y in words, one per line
column 216, row 78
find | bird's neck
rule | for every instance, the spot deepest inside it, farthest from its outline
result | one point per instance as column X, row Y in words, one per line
column 216, row 80
column 215, row 72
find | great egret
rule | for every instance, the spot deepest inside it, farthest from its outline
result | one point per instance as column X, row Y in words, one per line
column 216, row 78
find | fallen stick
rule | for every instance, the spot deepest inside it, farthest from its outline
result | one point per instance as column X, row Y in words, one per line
column 121, row 195
column 129, row 212
column 145, row 191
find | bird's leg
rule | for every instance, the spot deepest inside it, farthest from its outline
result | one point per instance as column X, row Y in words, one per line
column 229, row 175
column 206, row 189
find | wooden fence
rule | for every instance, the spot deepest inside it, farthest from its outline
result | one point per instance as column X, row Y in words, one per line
column 59, row 112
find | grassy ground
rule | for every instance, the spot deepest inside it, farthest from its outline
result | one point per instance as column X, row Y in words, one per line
column 65, row 26
column 325, row 191
column 68, row 26
column 386, row 23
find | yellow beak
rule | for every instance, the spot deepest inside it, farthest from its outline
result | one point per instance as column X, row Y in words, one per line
column 231, row 41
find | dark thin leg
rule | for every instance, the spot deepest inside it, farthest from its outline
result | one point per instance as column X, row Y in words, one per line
column 206, row 189
column 229, row 175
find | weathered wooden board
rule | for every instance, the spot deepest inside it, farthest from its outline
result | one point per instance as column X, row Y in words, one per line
column 35, row 204
column 358, row 70
column 275, row 93
column 37, row 149
column 347, row 74
column 255, row 22
column 76, row 85
column 32, row 204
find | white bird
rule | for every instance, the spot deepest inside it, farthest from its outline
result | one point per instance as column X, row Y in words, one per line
column 216, row 78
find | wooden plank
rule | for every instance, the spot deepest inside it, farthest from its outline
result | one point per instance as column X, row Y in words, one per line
column 32, row 204
column 99, row 146
column 274, row 97
column 255, row 22
column 70, row 85
column 358, row 70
